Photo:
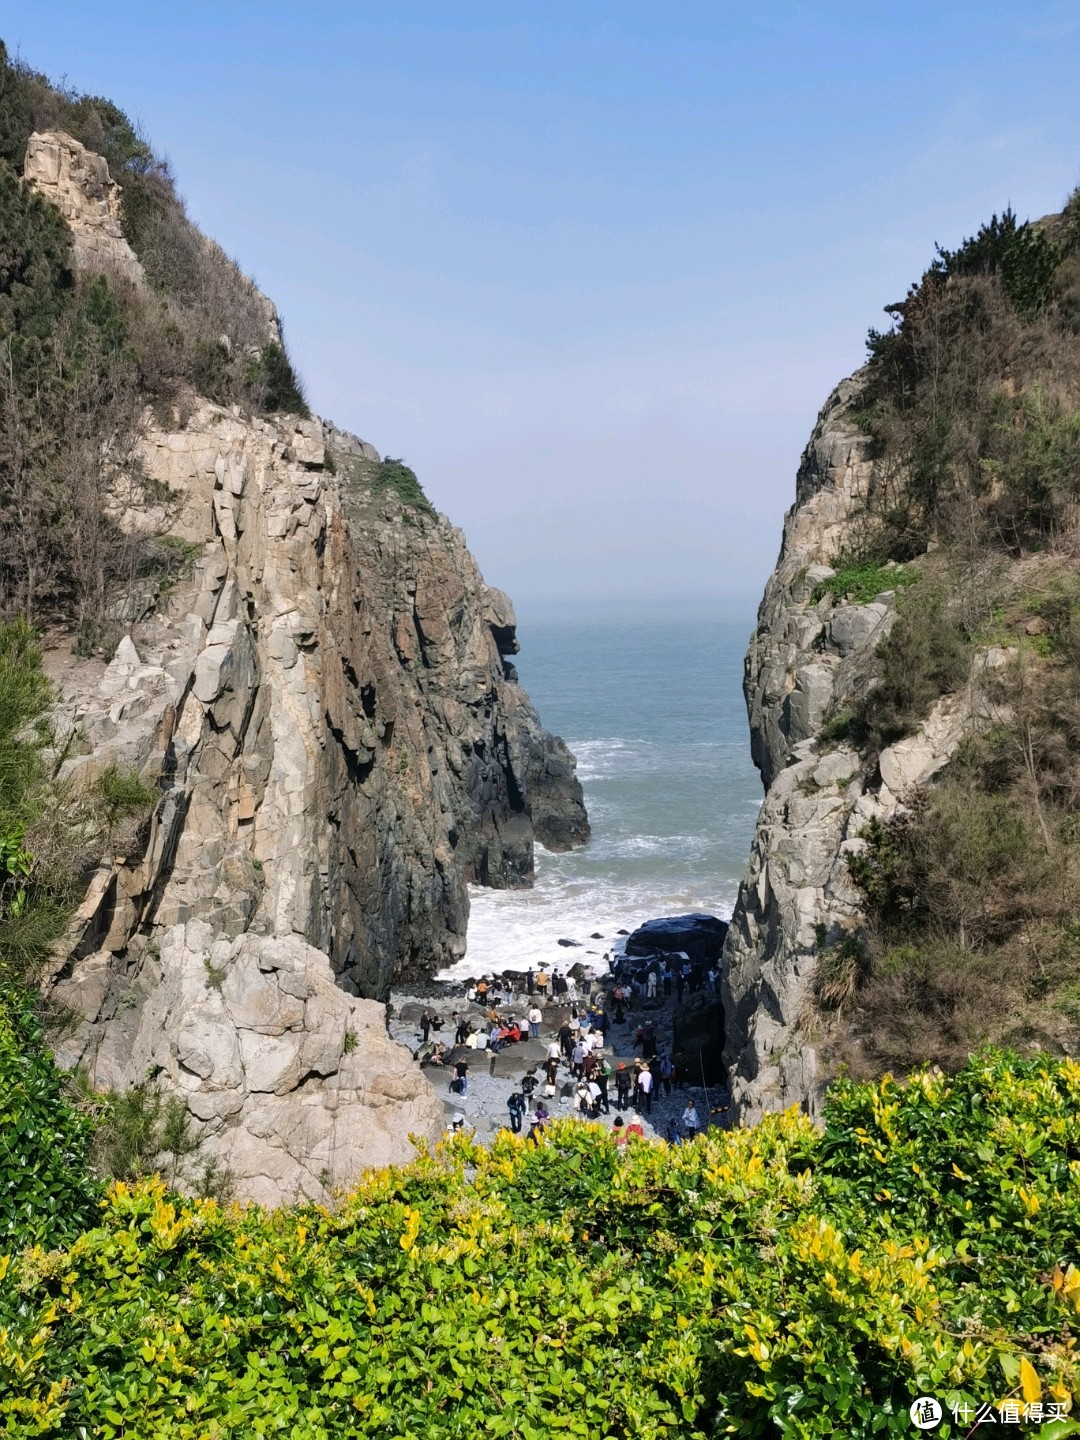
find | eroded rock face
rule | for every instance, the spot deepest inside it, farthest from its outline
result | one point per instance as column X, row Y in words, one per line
column 294, row 1086
column 339, row 745
column 78, row 183
column 324, row 708
column 809, row 659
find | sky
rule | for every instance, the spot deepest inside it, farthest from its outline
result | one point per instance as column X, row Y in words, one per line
column 591, row 268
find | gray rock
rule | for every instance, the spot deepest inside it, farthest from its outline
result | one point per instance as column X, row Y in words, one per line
column 340, row 753
column 806, row 661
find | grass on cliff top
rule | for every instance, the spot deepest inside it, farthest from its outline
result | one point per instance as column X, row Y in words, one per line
column 389, row 477
column 972, row 396
column 776, row 1280
column 861, row 581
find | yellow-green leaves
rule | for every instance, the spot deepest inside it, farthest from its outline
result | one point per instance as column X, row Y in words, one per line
column 752, row 1283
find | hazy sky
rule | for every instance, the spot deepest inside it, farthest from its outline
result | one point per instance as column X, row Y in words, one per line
column 590, row 267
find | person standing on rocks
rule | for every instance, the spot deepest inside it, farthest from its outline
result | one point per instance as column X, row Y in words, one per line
column 463, row 1031
column 577, row 1059
column 566, row 1042
column 652, row 983
column 645, row 1090
column 461, row 1076
column 602, row 1075
column 542, row 983
column 667, row 1072
column 516, row 1106
column 425, row 1025
column 622, row 1085
column 665, row 972
column 534, row 1017
column 691, row 1123
column 530, row 981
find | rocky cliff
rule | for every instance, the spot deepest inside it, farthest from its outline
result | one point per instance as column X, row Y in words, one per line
column 322, row 696
column 813, row 657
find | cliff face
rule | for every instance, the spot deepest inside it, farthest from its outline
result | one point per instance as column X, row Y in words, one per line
column 340, row 746
column 811, row 658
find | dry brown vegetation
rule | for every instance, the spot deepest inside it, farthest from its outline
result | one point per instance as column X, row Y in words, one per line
column 972, row 401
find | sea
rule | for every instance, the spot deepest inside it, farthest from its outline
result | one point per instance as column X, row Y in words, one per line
column 649, row 700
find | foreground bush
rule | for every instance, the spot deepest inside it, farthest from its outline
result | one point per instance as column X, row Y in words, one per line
column 46, row 1193
column 774, row 1281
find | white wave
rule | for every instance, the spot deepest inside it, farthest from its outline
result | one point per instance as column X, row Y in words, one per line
column 513, row 929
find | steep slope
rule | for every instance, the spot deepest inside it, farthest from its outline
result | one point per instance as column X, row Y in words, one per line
column 911, row 689
column 317, row 687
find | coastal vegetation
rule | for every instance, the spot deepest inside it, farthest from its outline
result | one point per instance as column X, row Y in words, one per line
column 785, row 1279
column 971, row 402
column 384, row 477
column 51, row 833
column 83, row 356
column 776, row 1280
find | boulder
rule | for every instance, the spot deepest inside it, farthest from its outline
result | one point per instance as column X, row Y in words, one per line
column 699, row 936
column 253, row 1036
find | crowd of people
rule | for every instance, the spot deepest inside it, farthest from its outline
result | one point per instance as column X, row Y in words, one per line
column 579, row 1073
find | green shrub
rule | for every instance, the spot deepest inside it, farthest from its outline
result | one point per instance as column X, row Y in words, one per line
column 136, row 1128
column 841, row 970
column 46, row 1195
column 1024, row 258
column 924, row 656
column 33, row 909
column 1032, row 460
column 837, row 728
column 215, row 974
column 862, row 581
column 391, row 477
column 272, row 382
column 764, row 1281
column 124, row 793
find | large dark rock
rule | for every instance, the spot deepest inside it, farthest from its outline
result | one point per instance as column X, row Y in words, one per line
column 699, row 936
